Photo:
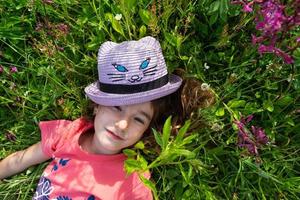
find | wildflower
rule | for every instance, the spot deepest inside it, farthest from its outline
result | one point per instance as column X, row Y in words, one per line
column 273, row 21
column 256, row 40
column 206, row 67
column 13, row 69
column 205, row 86
column 250, row 139
column 298, row 39
column 247, row 7
column 10, row 136
column 39, row 26
column 260, row 135
column 290, row 78
column 1, row 69
column 60, row 48
column 63, row 28
column 47, row 1
column 12, row 86
column 216, row 127
column 118, row 17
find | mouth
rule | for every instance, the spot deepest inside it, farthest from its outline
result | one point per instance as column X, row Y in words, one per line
column 113, row 135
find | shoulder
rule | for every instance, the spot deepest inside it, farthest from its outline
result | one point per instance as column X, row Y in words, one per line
column 56, row 126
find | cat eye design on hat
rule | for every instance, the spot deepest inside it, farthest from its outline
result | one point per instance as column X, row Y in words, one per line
column 131, row 72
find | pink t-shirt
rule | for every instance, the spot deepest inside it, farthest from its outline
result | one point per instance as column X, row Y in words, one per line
column 74, row 174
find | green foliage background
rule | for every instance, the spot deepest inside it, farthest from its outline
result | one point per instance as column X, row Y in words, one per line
column 55, row 63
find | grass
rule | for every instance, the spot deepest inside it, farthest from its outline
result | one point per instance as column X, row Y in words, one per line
column 54, row 48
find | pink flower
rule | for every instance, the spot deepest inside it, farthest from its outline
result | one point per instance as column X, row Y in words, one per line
column 48, row 1
column 63, row 28
column 248, row 7
column 1, row 69
column 259, row 134
column 13, row 69
column 256, row 40
column 10, row 136
column 286, row 57
column 251, row 140
column 271, row 49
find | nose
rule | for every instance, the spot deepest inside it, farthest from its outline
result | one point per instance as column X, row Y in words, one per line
column 122, row 124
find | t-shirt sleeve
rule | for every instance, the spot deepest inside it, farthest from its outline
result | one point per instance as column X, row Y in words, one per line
column 52, row 132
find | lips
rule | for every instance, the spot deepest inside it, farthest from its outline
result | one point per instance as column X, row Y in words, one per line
column 113, row 135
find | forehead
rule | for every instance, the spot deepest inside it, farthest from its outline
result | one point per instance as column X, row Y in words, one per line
column 142, row 107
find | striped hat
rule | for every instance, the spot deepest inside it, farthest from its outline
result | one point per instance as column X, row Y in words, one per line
column 131, row 72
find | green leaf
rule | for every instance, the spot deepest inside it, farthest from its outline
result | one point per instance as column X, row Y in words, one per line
column 150, row 185
column 284, row 101
column 183, row 152
column 220, row 112
column 236, row 103
column 129, row 152
column 109, row 17
column 145, row 16
column 139, row 145
column 268, row 105
column 117, row 26
column 129, row 4
column 142, row 162
column 214, row 7
column 142, row 31
column 157, row 137
column 182, row 131
column 171, row 39
column 166, row 132
column 213, row 18
column 189, row 139
column 132, row 165
column 223, row 9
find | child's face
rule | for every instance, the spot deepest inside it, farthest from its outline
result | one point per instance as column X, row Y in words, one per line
column 118, row 127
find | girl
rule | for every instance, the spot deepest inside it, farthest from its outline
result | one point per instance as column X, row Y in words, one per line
column 134, row 92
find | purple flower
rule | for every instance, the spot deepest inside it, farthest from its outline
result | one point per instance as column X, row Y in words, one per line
column 1, row 69
column 39, row 26
column 10, row 136
column 13, row 69
column 248, row 7
column 260, row 135
column 250, row 140
column 63, row 28
column 298, row 39
column 286, row 57
column 256, row 40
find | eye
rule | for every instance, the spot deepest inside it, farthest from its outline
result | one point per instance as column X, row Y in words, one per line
column 145, row 63
column 117, row 108
column 120, row 68
column 139, row 120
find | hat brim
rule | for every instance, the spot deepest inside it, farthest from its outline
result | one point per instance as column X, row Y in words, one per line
column 110, row 99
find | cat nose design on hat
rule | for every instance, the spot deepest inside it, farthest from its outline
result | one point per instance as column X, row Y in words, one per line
column 131, row 72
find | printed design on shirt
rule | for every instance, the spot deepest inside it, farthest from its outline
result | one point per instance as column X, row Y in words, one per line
column 62, row 162
column 63, row 198
column 92, row 197
column 44, row 189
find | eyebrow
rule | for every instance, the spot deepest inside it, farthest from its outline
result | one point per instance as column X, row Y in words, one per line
column 145, row 114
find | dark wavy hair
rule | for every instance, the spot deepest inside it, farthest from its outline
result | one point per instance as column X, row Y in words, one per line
column 181, row 105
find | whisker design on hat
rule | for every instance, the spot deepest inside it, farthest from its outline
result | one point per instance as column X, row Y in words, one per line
column 148, row 72
column 116, row 77
column 131, row 72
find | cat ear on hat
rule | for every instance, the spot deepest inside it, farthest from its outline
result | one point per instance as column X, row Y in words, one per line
column 105, row 49
column 151, row 41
